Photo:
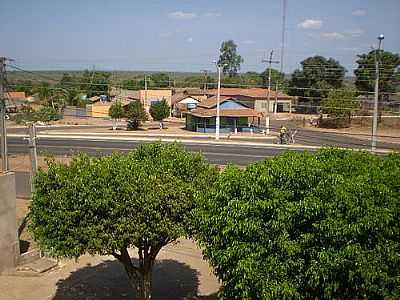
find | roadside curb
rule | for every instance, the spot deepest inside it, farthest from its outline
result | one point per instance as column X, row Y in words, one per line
column 225, row 142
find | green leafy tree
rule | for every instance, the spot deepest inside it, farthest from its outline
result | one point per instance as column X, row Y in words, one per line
column 340, row 103
column 26, row 86
column 116, row 112
column 159, row 80
column 316, row 77
column 136, row 114
column 133, row 84
column 110, row 204
column 388, row 71
column 276, row 78
column 159, row 111
column 95, row 83
column 305, row 226
column 229, row 58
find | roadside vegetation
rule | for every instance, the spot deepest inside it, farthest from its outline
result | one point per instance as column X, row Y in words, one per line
column 297, row 226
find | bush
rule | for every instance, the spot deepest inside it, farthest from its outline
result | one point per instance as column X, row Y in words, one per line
column 136, row 114
column 45, row 114
column 305, row 226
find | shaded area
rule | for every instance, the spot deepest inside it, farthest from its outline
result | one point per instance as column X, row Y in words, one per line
column 172, row 280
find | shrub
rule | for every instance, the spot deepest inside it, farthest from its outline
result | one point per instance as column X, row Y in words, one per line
column 305, row 226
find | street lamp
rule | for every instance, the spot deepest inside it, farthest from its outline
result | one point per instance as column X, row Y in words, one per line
column 375, row 119
column 217, row 120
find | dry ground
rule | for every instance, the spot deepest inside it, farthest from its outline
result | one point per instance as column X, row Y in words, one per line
column 180, row 273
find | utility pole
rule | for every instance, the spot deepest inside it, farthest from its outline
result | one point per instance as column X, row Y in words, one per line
column 205, row 81
column 217, row 121
column 145, row 90
column 375, row 119
column 33, row 152
column 270, row 61
column 4, row 154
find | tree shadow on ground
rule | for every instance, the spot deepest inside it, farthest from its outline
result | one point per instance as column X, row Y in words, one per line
column 172, row 280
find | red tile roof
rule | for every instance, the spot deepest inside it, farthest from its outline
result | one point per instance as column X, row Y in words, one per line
column 209, row 113
column 251, row 92
column 212, row 101
column 15, row 95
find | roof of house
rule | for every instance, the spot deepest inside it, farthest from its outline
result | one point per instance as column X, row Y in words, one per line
column 209, row 113
column 212, row 101
column 251, row 93
column 15, row 95
column 178, row 97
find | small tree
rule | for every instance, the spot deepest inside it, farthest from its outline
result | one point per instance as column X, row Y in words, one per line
column 229, row 58
column 159, row 111
column 305, row 226
column 116, row 112
column 136, row 114
column 108, row 204
column 340, row 104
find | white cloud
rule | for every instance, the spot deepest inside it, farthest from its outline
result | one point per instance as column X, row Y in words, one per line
column 212, row 15
column 190, row 40
column 350, row 49
column 356, row 33
column 333, row 35
column 249, row 42
column 310, row 24
column 359, row 13
column 165, row 34
column 180, row 15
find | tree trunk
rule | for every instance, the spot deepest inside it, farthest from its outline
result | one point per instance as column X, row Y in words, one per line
column 141, row 284
column 114, row 124
column 140, row 277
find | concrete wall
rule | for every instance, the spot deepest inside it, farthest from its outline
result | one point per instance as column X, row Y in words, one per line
column 99, row 110
column 153, row 95
column 9, row 241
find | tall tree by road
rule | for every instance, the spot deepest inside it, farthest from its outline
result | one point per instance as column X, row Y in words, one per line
column 305, row 226
column 136, row 114
column 159, row 111
column 340, row 105
column 116, row 112
column 107, row 205
column 389, row 72
column 229, row 58
column 316, row 77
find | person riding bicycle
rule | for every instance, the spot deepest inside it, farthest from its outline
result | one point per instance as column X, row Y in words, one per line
column 282, row 133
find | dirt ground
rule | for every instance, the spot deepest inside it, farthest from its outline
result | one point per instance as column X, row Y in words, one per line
column 180, row 273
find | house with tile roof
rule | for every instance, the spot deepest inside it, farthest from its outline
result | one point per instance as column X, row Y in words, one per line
column 235, row 116
column 256, row 98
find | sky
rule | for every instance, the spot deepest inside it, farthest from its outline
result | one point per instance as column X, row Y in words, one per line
column 185, row 35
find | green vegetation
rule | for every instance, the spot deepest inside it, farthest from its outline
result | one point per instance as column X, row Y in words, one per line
column 136, row 114
column 45, row 114
column 388, row 71
column 229, row 58
column 108, row 204
column 305, row 226
column 116, row 112
column 340, row 106
column 317, row 76
column 159, row 111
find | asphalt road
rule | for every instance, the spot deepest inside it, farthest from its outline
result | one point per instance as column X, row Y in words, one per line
column 216, row 154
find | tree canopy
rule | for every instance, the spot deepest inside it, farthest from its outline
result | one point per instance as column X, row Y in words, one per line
column 305, row 226
column 136, row 114
column 108, row 204
column 388, row 71
column 116, row 112
column 340, row 103
column 160, row 110
column 229, row 58
column 317, row 75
